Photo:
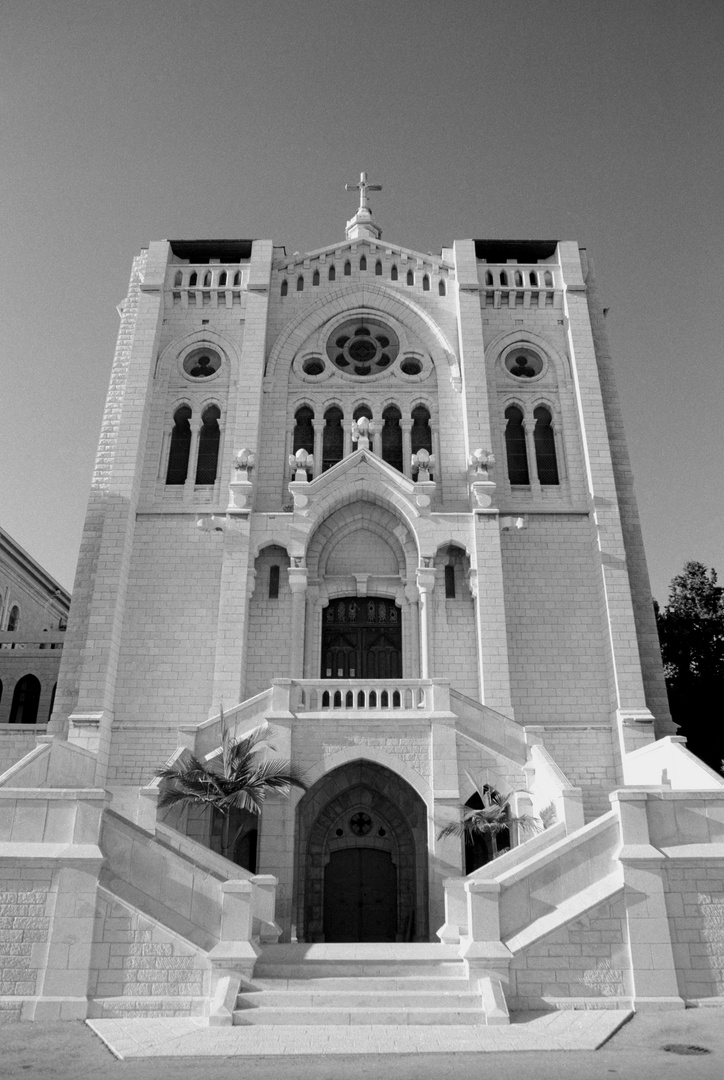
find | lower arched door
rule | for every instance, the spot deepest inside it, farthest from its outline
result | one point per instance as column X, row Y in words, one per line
column 360, row 896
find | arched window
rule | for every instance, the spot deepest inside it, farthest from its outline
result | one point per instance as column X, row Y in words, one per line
column 332, row 273
column 179, row 278
column 347, row 268
column 193, row 280
column 303, row 430
column 237, row 278
column 207, row 279
column 378, row 269
column 410, row 277
column 52, row 701
column 515, row 450
column 222, row 279
column 178, row 456
column 300, row 284
column 285, row 288
column 548, row 278
column 518, row 279
column 332, row 438
column 315, row 277
column 545, row 446
column 14, row 618
column 24, row 709
column 488, row 278
column 503, row 277
column 392, row 437
column 393, row 274
column 533, row 277
column 363, row 262
column 449, row 582
column 441, row 287
column 209, row 436
column 274, row 582
column 421, row 433
column 425, row 283
column 1, row 689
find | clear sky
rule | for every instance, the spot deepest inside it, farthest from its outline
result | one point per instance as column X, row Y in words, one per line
column 125, row 121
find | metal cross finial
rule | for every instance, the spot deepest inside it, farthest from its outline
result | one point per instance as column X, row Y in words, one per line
column 363, row 187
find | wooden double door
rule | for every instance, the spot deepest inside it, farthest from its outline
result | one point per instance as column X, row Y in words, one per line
column 360, row 896
column 361, row 638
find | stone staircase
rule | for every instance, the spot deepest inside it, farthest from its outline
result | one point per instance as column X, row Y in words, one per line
column 361, row 984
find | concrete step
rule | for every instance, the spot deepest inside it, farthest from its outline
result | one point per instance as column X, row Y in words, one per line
column 336, row 1017
column 361, row 998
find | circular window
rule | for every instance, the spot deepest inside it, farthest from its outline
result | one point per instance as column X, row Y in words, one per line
column 313, row 366
column 523, row 363
column 411, row 366
column 363, row 347
column 360, row 823
column 202, row 363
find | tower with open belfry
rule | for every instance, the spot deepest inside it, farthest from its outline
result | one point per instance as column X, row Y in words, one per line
column 379, row 500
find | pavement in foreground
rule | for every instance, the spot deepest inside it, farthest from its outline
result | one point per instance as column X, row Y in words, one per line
column 70, row 1051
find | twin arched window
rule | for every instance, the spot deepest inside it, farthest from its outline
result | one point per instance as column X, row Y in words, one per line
column 518, row 447
column 206, row 448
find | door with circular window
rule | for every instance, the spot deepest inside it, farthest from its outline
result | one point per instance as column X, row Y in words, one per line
column 361, row 639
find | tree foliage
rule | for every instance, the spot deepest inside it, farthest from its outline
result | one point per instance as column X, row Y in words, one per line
column 691, row 633
column 240, row 777
column 493, row 817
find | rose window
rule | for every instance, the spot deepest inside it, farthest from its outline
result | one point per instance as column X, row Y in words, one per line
column 363, row 347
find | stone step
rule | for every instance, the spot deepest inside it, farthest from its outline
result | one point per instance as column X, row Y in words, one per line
column 351, row 968
column 385, row 1000
column 379, row 983
column 370, row 1017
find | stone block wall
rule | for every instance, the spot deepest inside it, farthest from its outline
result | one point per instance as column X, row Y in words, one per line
column 587, row 755
column 134, row 958
column 587, row 958
column 26, row 908
column 16, row 740
column 695, row 906
column 167, row 653
column 270, row 626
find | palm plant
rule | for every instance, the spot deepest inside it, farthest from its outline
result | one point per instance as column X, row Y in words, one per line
column 487, row 821
column 239, row 778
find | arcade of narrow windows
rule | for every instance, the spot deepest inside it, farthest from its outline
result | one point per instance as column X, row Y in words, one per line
column 531, row 446
column 393, row 437
column 411, row 278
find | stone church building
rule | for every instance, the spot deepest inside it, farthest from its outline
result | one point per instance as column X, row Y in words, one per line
column 381, row 500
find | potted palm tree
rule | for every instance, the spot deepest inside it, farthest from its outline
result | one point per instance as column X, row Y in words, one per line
column 233, row 785
column 489, row 818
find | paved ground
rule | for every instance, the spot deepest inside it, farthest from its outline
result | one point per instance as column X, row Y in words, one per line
column 71, row 1051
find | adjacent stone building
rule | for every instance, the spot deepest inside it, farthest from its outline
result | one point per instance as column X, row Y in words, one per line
column 33, row 617
column 381, row 500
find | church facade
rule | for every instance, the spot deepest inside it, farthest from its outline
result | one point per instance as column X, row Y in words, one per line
column 381, row 501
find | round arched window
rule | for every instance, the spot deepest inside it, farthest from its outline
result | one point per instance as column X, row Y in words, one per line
column 363, row 347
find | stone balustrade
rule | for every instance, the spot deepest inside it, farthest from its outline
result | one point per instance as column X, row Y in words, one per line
column 51, row 639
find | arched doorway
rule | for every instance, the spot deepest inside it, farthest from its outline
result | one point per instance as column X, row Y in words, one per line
column 361, row 861
column 361, row 638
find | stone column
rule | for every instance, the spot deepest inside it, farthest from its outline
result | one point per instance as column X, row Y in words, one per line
column 309, row 628
column 298, row 585
column 425, row 585
column 406, row 426
column 529, row 428
column 236, row 586
column 486, row 583
column 195, row 425
column 318, row 426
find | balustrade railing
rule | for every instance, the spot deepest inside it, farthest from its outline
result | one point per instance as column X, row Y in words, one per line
column 516, row 285
column 11, row 639
column 204, row 277
column 357, row 695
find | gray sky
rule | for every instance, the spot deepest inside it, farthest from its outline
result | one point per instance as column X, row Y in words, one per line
column 595, row 120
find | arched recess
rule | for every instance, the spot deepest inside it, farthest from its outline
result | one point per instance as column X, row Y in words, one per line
column 362, row 807
column 361, row 549
column 372, row 299
column 270, row 614
column 26, row 698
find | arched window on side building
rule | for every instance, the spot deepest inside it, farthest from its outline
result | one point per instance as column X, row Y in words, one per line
column 24, row 709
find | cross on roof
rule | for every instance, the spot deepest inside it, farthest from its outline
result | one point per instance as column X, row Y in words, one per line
column 363, row 187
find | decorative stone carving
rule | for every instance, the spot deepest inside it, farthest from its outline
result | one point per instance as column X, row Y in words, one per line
column 362, row 431
column 423, row 464
column 481, row 486
column 241, row 488
column 303, row 465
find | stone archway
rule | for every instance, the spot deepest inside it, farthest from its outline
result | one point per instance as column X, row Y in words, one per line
column 368, row 811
